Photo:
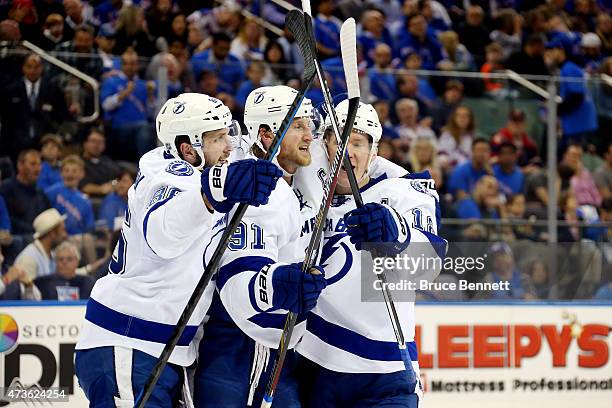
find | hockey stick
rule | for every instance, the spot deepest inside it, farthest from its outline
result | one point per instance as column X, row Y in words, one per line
column 349, row 59
column 295, row 23
column 392, row 311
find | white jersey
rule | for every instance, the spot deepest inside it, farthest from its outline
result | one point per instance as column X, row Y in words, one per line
column 156, row 264
column 345, row 334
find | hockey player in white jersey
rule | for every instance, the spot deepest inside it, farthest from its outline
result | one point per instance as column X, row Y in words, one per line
column 158, row 260
column 352, row 356
column 260, row 277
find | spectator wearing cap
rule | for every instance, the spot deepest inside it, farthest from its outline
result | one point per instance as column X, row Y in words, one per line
column 503, row 269
column 463, row 178
column 65, row 284
column 506, row 171
column 592, row 57
column 128, row 102
column 530, row 60
column 105, row 40
column 51, row 150
column 37, row 258
column 515, row 133
column 53, row 31
column 421, row 40
column 30, row 107
column 100, row 170
column 382, row 79
column 373, row 33
column 327, row 29
column 24, row 199
column 218, row 59
column 576, row 111
column 113, row 207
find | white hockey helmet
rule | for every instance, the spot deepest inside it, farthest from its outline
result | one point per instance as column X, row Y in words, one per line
column 366, row 121
column 192, row 114
column 268, row 105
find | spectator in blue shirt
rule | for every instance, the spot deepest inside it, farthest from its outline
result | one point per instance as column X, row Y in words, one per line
column 420, row 40
column 67, row 198
column 127, row 101
column 113, row 207
column 463, row 178
column 373, row 33
column 506, row 171
column 382, row 79
column 51, row 149
column 577, row 111
column 255, row 73
column 327, row 30
column 483, row 202
column 218, row 59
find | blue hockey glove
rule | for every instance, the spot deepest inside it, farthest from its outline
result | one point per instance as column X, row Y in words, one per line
column 375, row 223
column 247, row 181
column 287, row 287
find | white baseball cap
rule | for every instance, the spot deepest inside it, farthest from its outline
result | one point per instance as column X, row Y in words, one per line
column 590, row 40
column 46, row 221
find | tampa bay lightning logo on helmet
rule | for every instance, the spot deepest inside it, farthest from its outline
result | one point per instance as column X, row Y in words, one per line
column 180, row 168
column 179, row 107
column 259, row 97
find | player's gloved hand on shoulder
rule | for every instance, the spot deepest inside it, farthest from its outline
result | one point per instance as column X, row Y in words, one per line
column 282, row 286
column 247, row 181
column 376, row 223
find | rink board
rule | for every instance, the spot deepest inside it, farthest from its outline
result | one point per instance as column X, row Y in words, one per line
column 504, row 355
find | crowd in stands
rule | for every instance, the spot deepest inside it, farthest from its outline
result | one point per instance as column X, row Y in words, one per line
column 52, row 165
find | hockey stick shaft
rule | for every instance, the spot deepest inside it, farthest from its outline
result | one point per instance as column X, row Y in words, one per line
column 211, row 267
column 390, row 305
column 315, row 239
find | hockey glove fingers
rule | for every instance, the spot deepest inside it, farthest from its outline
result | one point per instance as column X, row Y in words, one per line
column 295, row 290
column 371, row 223
column 247, row 181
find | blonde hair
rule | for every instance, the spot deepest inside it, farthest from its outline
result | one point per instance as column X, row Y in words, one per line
column 73, row 159
column 414, row 162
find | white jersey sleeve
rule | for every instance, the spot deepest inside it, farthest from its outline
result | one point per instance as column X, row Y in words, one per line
column 172, row 217
column 266, row 237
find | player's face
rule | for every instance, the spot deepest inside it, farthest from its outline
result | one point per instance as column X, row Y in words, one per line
column 359, row 154
column 295, row 148
column 217, row 147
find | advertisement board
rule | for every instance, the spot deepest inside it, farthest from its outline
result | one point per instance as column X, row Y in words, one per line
column 503, row 355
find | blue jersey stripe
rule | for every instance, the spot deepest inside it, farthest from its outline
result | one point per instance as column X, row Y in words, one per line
column 134, row 327
column 355, row 343
column 246, row 263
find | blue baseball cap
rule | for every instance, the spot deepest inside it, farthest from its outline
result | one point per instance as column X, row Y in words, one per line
column 107, row 31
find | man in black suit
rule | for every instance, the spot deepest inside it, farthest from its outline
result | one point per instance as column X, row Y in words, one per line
column 31, row 107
